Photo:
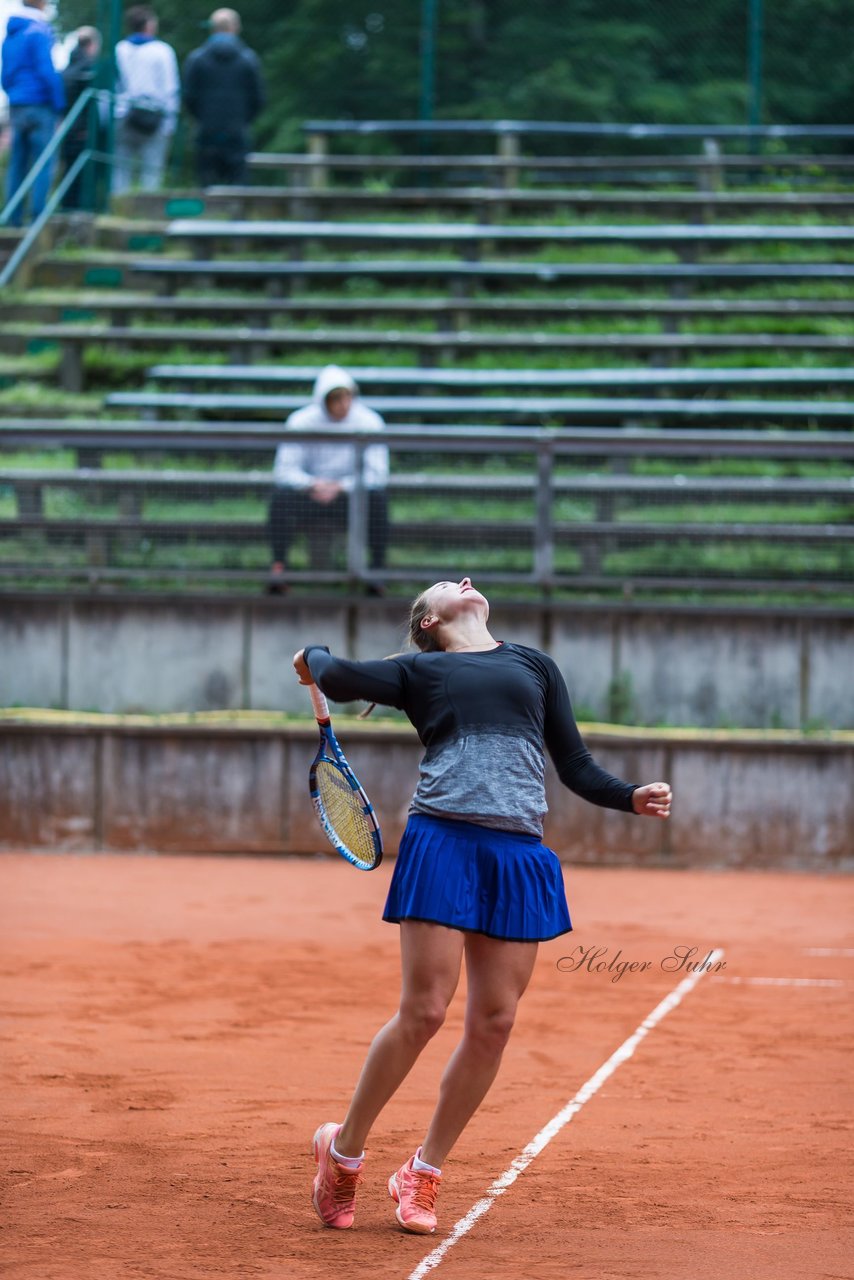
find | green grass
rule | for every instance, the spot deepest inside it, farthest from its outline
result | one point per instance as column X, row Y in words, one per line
column 214, row 509
column 724, row 513
column 436, row 510
column 768, row 360
column 505, row 560
column 111, row 367
column 771, row 467
column 16, row 371
column 33, row 459
column 524, row 329
column 824, row 326
column 757, row 559
column 434, row 463
column 34, row 395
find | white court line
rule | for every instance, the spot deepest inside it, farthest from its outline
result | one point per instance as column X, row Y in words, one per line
column 554, row 1126
column 829, row 951
column 783, row 982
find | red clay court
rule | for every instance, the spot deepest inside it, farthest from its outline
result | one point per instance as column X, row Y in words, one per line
column 175, row 1028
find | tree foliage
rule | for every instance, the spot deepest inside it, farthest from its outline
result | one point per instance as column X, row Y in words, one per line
column 657, row 61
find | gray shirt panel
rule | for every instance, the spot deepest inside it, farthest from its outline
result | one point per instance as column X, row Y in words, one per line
column 485, row 775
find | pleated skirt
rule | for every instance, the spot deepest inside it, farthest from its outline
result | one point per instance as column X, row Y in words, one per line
column 469, row 877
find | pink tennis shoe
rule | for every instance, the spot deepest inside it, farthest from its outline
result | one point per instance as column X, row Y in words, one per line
column 334, row 1196
column 414, row 1192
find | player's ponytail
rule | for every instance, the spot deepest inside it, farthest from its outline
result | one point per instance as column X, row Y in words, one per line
column 423, row 640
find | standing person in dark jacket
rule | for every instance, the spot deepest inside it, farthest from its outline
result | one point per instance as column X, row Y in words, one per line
column 223, row 91
column 36, row 100
column 77, row 77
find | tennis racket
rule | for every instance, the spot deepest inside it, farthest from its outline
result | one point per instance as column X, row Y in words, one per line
column 345, row 812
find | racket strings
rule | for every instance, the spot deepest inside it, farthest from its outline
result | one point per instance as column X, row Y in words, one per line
column 345, row 812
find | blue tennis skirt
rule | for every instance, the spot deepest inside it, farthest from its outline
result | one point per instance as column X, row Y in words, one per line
column 474, row 878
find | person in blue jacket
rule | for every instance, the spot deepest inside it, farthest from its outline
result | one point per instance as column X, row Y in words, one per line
column 36, row 101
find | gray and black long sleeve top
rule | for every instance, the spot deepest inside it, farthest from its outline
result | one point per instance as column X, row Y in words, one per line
column 485, row 720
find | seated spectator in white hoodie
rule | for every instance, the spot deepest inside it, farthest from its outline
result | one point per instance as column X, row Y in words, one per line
column 313, row 481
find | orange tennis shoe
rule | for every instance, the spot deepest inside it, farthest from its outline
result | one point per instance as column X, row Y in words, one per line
column 414, row 1192
column 334, row 1195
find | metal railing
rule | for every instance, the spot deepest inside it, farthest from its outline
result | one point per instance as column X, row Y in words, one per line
column 548, row 510
column 509, row 135
column 91, row 99
column 579, row 129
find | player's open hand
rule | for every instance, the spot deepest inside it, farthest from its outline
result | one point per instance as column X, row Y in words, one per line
column 653, row 800
column 301, row 668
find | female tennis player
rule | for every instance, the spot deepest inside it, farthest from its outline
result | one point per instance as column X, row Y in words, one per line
column 472, row 876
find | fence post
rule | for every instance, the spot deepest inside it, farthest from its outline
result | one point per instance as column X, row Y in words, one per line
column 30, row 499
column 508, row 150
column 754, row 60
column 543, row 521
column 427, row 95
column 71, row 364
column 318, row 149
column 357, row 517
column 711, row 175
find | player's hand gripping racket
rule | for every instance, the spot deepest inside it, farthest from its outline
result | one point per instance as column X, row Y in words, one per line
column 345, row 812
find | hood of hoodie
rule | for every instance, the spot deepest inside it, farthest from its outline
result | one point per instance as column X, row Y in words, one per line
column 20, row 23
column 332, row 378
column 224, row 46
column 28, row 75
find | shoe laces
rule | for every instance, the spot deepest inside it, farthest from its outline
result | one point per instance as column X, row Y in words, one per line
column 344, row 1184
column 426, row 1190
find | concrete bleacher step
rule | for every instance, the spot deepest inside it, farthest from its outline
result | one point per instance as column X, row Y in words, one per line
column 275, row 274
column 565, row 409
column 187, row 578
column 564, row 203
column 704, row 173
column 371, row 378
column 109, row 271
column 10, row 238
column 241, row 344
column 243, row 438
column 511, row 534
column 450, row 314
column 276, row 232
column 21, row 338
column 774, row 489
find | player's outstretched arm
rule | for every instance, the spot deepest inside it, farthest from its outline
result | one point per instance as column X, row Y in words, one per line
column 378, row 681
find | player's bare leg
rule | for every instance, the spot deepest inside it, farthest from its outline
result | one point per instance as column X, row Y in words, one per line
column 497, row 974
column 431, row 957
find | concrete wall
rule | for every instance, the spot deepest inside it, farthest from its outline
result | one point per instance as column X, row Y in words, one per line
column 740, row 800
column 673, row 665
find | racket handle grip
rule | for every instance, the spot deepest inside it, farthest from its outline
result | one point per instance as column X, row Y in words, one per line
column 319, row 703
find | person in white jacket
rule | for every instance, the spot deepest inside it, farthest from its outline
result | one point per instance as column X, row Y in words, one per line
column 148, row 99
column 312, row 481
